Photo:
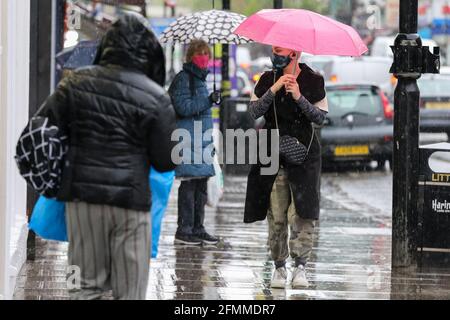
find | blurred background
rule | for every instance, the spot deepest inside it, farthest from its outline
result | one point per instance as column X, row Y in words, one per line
column 375, row 20
column 42, row 40
column 360, row 90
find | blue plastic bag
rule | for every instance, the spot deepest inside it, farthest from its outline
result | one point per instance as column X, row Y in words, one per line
column 160, row 184
column 48, row 217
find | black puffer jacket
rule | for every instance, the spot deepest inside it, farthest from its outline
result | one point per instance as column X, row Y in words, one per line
column 119, row 120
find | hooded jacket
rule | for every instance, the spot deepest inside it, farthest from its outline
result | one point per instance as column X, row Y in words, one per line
column 118, row 118
column 192, row 105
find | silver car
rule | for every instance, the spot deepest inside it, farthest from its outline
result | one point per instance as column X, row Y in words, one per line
column 362, row 70
column 359, row 125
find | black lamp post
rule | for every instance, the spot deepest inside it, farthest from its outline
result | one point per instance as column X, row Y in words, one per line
column 226, row 84
column 410, row 61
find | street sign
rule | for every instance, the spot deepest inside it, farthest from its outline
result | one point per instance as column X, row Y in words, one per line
column 434, row 206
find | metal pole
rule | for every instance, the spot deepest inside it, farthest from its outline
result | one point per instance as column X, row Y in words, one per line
column 277, row 4
column 40, row 79
column 144, row 8
column 226, row 84
column 225, row 88
column 172, row 48
column 59, row 32
column 406, row 141
column 53, row 47
column 225, row 59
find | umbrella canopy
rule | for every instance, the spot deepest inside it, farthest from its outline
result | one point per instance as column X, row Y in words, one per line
column 303, row 31
column 213, row 26
column 83, row 54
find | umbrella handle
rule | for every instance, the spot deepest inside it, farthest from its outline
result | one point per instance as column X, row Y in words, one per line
column 214, row 66
column 214, row 56
column 295, row 67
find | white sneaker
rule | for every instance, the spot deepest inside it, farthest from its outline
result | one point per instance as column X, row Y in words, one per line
column 299, row 278
column 279, row 278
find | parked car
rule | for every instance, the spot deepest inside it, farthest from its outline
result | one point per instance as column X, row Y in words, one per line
column 363, row 69
column 317, row 63
column 435, row 103
column 359, row 125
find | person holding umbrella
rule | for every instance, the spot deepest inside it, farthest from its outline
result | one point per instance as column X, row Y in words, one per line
column 292, row 100
column 193, row 104
column 296, row 188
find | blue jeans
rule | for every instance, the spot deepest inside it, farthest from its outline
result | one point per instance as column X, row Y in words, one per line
column 192, row 198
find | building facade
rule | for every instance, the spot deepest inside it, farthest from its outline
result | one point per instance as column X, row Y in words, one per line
column 14, row 94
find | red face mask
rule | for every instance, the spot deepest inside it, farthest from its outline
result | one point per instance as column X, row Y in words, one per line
column 201, row 61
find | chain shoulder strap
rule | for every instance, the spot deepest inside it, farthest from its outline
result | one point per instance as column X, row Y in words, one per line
column 274, row 104
column 312, row 137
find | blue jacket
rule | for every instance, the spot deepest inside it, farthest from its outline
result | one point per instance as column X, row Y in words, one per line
column 190, row 99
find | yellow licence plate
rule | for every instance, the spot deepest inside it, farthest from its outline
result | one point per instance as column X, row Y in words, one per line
column 351, row 151
column 438, row 105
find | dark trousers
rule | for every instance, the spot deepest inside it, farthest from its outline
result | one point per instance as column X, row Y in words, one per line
column 192, row 198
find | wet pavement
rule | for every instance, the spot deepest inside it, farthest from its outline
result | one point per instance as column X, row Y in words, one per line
column 351, row 256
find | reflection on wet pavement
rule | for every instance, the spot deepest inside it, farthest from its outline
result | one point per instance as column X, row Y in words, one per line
column 351, row 258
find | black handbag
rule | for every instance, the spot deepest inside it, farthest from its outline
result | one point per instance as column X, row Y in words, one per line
column 40, row 155
column 291, row 150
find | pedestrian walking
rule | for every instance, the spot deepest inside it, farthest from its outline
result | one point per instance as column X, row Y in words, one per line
column 291, row 99
column 193, row 104
column 119, row 121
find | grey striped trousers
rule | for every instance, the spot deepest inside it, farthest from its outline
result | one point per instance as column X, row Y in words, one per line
column 111, row 247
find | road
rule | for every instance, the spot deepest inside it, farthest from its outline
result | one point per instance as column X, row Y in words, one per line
column 373, row 188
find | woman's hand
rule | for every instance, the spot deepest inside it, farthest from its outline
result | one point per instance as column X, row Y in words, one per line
column 292, row 87
column 215, row 97
column 280, row 83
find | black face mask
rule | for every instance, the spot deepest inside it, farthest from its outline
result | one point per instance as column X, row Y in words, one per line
column 280, row 62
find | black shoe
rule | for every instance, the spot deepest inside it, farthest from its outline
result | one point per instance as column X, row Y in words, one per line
column 206, row 238
column 187, row 239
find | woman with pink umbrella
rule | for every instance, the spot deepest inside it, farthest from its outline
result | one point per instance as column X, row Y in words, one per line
column 292, row 99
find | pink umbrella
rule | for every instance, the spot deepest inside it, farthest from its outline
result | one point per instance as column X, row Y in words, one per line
column 303, row 31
